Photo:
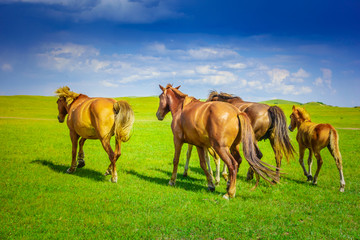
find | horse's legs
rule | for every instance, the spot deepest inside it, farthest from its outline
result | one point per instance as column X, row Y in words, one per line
column 202, row 156
column 207, row 160
column 224, row 173
column 188, row 155
column 319, row 164
column 278, row 157
column 116, row 156
column 301, row 158
column 217, row 173
column 338, row 161
column 232, row 164
column 178, row 144
column 74, row 140
column 310, row 161
column 81, row 155
column 112, row 167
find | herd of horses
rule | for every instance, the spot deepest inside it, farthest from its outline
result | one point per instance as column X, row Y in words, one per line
column 217, row 127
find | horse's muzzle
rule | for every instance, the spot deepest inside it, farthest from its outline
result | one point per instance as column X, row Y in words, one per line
column 159, row 117
column 60, row 120
column 290, row 129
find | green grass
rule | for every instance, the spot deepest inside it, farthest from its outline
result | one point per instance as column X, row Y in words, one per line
column 39, row 200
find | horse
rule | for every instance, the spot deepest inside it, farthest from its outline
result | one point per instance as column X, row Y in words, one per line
column 315, row 137
column 95, row 118
column 211, row 125
column 267, row 123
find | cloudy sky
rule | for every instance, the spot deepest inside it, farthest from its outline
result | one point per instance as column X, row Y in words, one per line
column 295, row 50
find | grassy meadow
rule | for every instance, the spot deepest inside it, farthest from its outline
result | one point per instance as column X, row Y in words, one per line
column 40, row 201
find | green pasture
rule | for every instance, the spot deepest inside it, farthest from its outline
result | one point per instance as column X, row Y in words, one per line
column 40, row 201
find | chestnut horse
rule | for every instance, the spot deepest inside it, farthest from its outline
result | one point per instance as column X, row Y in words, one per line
column 315, row 137
column 211, row 125
column 95, row 118
column 267, row 123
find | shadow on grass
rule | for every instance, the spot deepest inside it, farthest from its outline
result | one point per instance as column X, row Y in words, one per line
column 296, row 180
column 83, row 172
column 186, row 185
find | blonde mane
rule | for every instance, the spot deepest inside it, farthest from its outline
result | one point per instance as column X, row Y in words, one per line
column 303, row 114
column 65, row 92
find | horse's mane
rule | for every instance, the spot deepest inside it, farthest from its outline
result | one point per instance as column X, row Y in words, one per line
column 187, row 99
column 222, row 95
column 65, row 92
column 303, row 114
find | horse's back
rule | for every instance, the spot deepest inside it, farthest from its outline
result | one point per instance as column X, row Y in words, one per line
column 316, row 136
column 205, row 121
column 94, row 117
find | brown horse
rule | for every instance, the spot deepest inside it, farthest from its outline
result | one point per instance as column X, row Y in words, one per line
column 315, row 137
column 267, row 123
column 211, row 125
column 95, row 118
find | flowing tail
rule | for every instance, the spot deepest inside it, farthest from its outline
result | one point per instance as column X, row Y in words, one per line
column 280, row 132
column 124, row 119
column 250, row 150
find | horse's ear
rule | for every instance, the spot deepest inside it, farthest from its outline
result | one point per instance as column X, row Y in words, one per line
column 162, row 88
column 293, row 108
column 178, row 87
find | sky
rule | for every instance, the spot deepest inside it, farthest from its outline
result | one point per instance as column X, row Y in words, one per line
column 259, row 50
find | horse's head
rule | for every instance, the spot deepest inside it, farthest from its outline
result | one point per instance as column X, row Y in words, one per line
column 62, row 107
column 292, row 125
column 165, row 101
column 298, row 116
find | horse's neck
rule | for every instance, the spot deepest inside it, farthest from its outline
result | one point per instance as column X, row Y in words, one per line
column 176, row 104
column 304, row 123
column 77, row 101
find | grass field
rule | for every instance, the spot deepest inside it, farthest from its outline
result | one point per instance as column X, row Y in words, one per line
column 39, row 200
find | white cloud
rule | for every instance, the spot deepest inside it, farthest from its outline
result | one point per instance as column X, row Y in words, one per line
column 277, row 76
column 325, row 79
column 300, row 74
column 107, row 83
column 206, row 69
column 222, row 77
column 68, row 56
column 211, row 53
column 129, row 11
column 236, row 65
column 6, row 67
column 279, row 79
column 318, row 81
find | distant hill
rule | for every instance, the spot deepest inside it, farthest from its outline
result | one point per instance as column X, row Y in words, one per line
column 316, row 104
column 280, row 101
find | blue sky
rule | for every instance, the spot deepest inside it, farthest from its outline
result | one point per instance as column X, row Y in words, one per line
column 302, row 51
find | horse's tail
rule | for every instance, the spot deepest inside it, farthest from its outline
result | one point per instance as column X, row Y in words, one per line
column 124, row 119
column 334, row 146
column 280, row 132
column 251, row 150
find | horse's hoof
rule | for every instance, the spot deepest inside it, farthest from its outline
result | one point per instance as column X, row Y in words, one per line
column 217, row 182
column 226, row 196
column 70, row 171
column 225, row 176
column 185, row 174
column 314, row 183
column 107, row 173
column 211, row 189
column 114, row 180
column 342, row 189
column 309, row 178
column 249, row 177
column 171, row 183
column 81, row 163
